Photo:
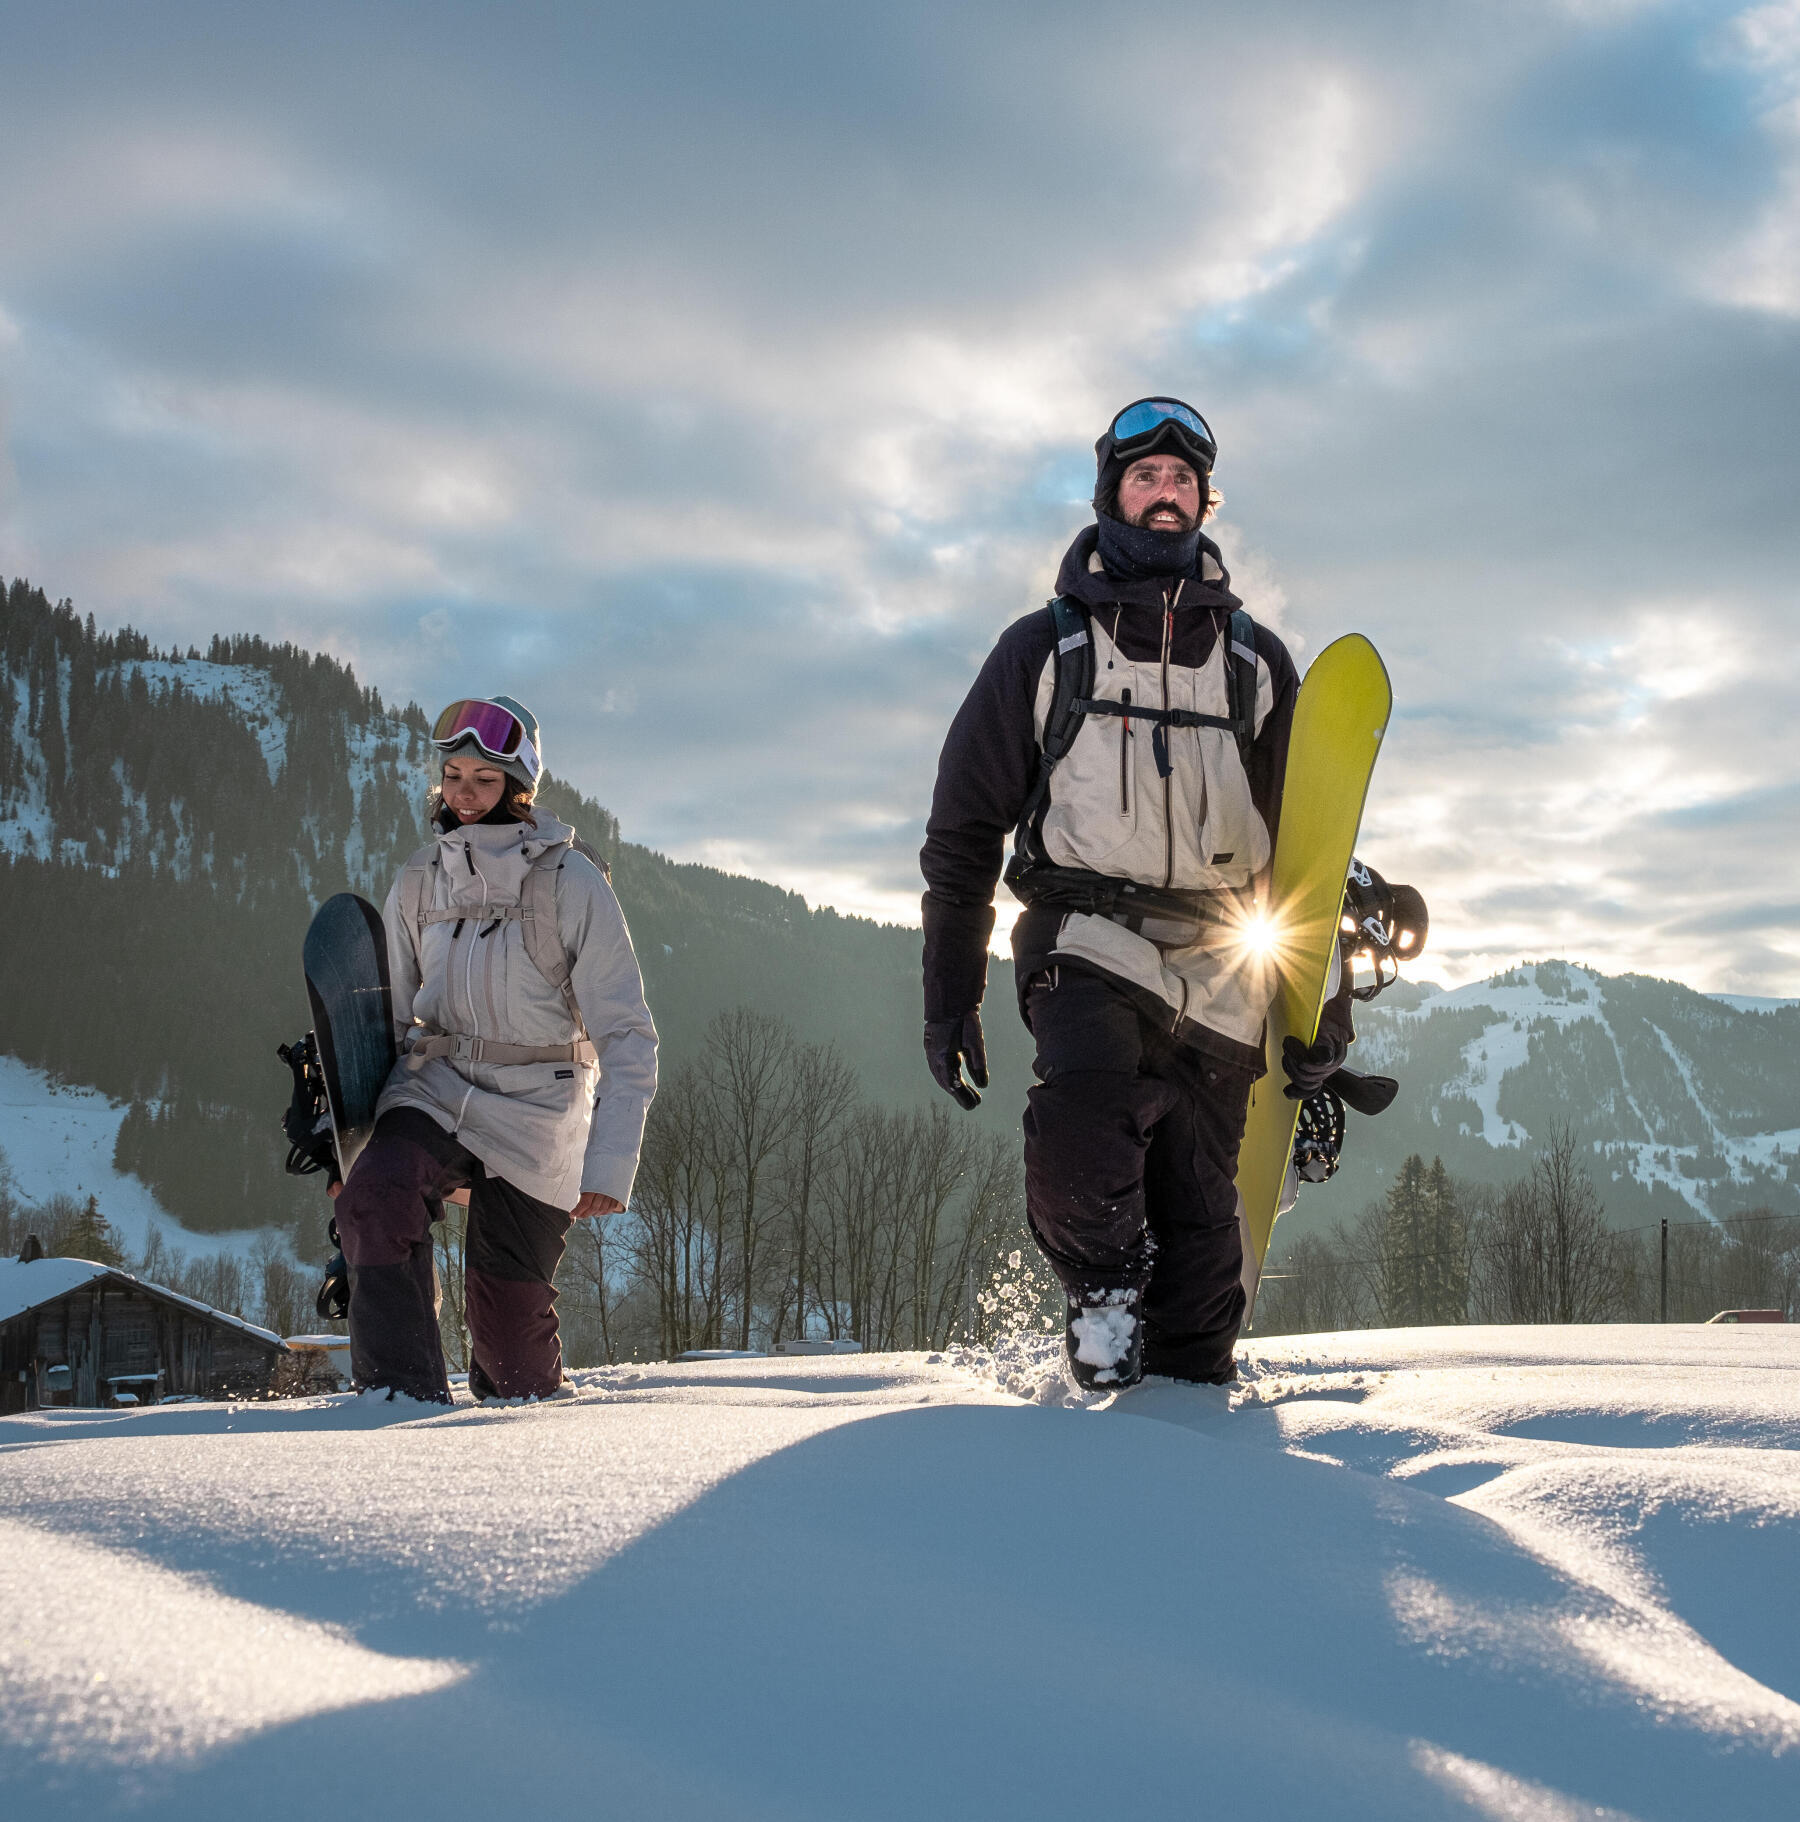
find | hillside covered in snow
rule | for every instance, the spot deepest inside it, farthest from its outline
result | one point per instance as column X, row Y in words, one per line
column 1687, row 1104
column 1499, row 1573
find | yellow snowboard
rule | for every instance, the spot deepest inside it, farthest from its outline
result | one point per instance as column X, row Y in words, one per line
column 1339, row 719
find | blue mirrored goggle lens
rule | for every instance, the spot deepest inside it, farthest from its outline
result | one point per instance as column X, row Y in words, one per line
column 1142, row 419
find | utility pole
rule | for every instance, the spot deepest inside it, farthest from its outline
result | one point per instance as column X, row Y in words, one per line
column 1662, row 1297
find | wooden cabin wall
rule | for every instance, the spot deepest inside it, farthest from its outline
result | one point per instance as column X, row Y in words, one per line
column 113, row 1331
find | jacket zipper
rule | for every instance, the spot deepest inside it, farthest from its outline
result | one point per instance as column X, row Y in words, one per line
column 469, row 963
column 1124, row 755
column 1168, row 783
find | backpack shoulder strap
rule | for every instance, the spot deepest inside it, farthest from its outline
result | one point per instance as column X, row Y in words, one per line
column 1074, row 659
column 591, row 854
column 415, row 888
column 1240, row 679
column 1072, row 654
column 543, row 940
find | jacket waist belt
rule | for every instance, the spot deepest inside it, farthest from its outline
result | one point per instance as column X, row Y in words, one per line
column 460, row 1047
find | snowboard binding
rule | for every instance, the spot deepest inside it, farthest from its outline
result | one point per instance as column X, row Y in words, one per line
column 1382, row 926
column 307, row 1122
column 333, row 1300
column 1319, row 1136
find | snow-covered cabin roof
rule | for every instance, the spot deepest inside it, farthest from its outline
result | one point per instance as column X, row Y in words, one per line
column 29, row 1285
column 23, row 1287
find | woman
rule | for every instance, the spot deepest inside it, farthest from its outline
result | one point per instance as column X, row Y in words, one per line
column 527, row 1064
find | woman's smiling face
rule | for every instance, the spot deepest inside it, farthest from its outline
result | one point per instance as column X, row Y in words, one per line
column 472, row 786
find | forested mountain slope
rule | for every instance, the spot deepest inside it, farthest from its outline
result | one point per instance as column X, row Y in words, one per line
column 169, row 821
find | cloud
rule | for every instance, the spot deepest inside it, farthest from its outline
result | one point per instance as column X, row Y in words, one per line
column 721, row 382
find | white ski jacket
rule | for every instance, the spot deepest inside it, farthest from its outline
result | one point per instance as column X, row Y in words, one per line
column 551, row 1129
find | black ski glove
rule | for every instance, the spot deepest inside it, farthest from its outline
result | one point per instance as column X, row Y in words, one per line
column 952, row 1044
column 1310, row 1067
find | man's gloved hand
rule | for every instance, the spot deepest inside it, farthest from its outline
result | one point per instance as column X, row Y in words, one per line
column 1310, row 1067
column 952, row 1044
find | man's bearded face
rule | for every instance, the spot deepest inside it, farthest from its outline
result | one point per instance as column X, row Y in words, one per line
column 1162, row 493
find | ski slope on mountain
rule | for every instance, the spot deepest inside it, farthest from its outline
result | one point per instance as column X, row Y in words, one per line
column 56, row 1139
column 1686, row 1102
column 1431, row 1573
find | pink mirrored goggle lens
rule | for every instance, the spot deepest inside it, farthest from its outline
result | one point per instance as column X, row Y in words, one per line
column 495, row 730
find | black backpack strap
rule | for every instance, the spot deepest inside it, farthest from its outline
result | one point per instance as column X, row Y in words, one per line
column 1073, row 657
column 1240, row 679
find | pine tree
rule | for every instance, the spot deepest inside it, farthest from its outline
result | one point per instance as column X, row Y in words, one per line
column 91, row 1237
column 1424, row 1250
column 1405, row 1239
column 1447, row 1252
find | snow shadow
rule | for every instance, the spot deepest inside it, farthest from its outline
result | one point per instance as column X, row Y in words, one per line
column 1735, row 1578
column 985, row 1612
column 1657, row 1429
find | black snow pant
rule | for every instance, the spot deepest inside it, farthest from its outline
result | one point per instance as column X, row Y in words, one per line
column 1131, row 1144
column 515, row 1243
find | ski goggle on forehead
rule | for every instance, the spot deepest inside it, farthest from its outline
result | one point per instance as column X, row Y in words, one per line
column 497, row 733
column 1150, row 421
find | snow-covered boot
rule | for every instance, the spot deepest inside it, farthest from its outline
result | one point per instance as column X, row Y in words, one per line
column 1104, row 1341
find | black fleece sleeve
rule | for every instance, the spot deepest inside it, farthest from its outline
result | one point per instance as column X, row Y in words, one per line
column 985, row 772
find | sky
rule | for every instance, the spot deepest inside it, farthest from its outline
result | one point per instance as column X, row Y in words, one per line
column 720, row 380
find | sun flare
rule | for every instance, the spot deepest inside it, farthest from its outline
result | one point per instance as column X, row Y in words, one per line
column 1261, row 937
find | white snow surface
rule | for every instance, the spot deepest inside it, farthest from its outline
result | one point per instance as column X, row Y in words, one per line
column 57, row 1139
column 1532, row 1573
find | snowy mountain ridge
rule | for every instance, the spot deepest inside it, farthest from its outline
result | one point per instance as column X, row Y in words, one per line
column 1690, row 1102
column 380, row 756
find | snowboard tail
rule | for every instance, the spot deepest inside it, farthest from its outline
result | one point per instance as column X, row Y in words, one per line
column 345, row 959
column 1339, row 720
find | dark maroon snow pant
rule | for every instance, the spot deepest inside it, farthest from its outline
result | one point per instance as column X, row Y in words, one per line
column 384, row 1216
column 1131, row 1144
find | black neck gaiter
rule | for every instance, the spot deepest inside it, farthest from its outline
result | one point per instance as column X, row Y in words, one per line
column 1133, row 553
column 447, row 819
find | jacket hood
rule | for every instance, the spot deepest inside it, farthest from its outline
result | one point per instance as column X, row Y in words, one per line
column 1084, row 577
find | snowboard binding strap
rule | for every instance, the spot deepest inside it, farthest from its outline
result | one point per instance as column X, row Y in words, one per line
column 307, row 1122
column 1382, row 926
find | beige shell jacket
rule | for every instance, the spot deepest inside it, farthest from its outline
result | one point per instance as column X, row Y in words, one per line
column 552, row 1129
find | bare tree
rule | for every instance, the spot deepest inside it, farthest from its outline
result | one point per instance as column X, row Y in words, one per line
column 750, row 1070
column 679, row 1211
column 283, row 1296
column 1316, row 1286
column 1544, row 1253
column 993, row 1221
column 825, row 1089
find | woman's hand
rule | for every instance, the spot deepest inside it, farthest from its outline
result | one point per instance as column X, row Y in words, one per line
column 592, row 1203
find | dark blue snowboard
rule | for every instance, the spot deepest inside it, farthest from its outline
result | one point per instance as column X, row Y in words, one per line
column 345, row 957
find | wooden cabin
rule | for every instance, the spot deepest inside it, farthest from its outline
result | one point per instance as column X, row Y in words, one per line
column 76, row 1333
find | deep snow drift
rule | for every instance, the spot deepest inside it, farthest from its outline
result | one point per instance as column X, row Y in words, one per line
column 1489, row 1572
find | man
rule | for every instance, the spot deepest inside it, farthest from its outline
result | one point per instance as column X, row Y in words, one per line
column 1137, row 850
